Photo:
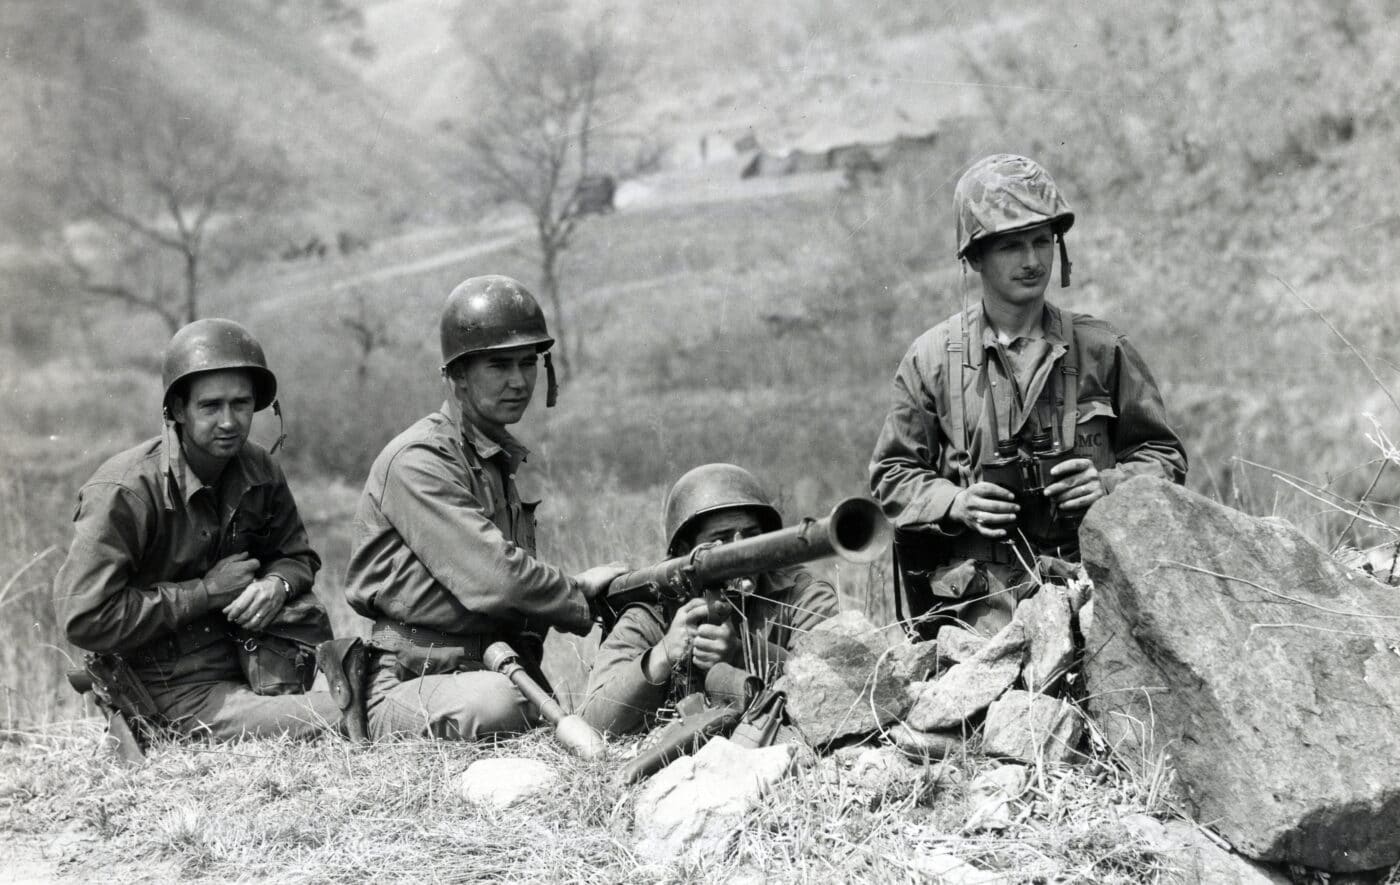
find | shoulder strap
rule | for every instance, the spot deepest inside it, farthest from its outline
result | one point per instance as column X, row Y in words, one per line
column 1069, row 370
column 955, row 363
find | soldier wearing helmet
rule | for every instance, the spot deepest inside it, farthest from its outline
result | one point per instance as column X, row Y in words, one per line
column 654, row 656
column 1012, row 417
column 444, row 560
column 187, row 540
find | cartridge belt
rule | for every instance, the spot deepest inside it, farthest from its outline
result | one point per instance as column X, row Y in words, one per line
column 392, row 635
column 200, row 633
column 976, row 547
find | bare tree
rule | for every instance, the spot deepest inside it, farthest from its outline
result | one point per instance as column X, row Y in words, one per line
column 158, row 180
column 553, row 101
column 369, row 328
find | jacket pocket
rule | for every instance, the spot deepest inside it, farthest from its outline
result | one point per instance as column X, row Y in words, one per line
column 1091, row 436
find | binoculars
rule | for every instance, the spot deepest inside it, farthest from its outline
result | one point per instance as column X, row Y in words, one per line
column 1027, row 476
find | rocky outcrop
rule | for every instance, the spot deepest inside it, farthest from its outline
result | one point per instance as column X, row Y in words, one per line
column 1048, row 620
column 1032, row 727
column 968, row 688
column 840, row 680
column 1266, row 672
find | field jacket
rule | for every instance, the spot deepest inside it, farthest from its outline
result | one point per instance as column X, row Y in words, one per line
column 788, row 603
column 443, row 541
column 919, row 463
column 147, row 530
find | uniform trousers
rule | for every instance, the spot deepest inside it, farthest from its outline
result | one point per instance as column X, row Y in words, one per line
column 450, row 706
column 203, row 693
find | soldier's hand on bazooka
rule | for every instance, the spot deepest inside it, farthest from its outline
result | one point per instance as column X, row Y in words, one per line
column 594, row 581
column 714, row 644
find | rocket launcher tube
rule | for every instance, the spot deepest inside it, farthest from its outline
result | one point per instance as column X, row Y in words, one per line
column 855, row 530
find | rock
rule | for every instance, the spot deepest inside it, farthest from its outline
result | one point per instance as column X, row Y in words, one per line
column 1261, row 666
column 967, row 688
column 500, row 782
column 946, row 869
column 691, row 808
column 1193, row 858
column 1047, row 617
column 991, row 795
column 840, row 682
column 958, row 644
column 1031, row 727
column 925, row 745
column 914, row 661
column 886, row 772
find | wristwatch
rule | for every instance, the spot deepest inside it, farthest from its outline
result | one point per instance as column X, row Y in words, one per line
column 286, row 588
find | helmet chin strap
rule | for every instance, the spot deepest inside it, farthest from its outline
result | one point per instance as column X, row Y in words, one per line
column 1064, row 262
column 281, row 427
column 551, row 395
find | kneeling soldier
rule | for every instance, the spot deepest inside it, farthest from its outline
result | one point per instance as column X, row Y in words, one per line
column 653, row 657
column 188, row 539
column 444, row 560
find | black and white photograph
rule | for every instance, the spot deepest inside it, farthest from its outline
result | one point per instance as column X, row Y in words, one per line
column 640, row 441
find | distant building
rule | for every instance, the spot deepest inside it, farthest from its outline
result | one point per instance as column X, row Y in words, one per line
column 853, row 148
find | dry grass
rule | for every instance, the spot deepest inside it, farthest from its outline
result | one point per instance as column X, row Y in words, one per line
column 330, row 812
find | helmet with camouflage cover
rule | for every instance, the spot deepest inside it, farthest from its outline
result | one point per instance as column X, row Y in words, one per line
column 710, row 488
column 213, row 345
column 494, row 312
column 1004, row 193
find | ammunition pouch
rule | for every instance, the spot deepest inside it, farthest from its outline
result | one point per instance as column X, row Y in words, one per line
column 281, row 658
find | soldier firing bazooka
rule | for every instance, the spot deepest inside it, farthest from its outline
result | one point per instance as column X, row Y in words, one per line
column 653, row 657
column 185, row 544
column 444, row 560
column 1011, row 418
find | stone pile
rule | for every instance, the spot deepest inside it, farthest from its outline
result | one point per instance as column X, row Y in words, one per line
column 848, row 679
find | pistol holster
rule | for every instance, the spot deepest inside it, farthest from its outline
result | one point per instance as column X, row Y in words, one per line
column 345, row 663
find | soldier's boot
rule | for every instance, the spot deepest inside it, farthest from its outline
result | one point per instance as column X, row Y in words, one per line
column 345, row 663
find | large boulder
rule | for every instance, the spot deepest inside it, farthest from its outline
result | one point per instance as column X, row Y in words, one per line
column 690, row 809
column 1267, row 673
column 966, row 689
column 841, row 680
column 1193, row 859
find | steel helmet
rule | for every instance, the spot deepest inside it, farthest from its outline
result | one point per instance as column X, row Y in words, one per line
column 213, row 345
column 713, row 487
column 491, row 313
column 495, row 312
column 1004, row 193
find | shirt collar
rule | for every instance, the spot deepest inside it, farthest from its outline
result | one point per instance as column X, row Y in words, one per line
column 1051, row 325
column 485, row 446
column 183, row 482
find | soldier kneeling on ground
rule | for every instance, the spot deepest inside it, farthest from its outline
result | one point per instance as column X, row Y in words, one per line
column 190, row 567
column 653, row 658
